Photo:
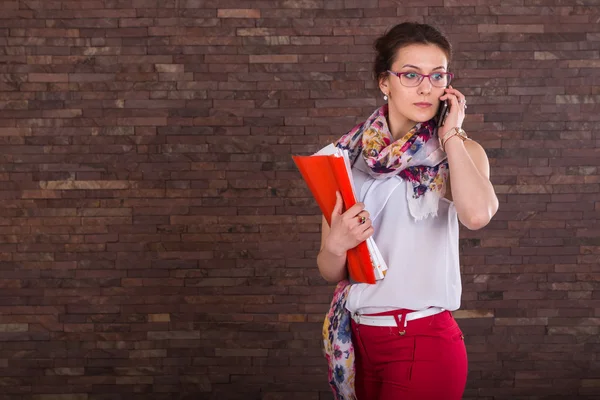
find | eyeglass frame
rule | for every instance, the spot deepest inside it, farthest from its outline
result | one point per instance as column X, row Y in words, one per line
column 423, row 76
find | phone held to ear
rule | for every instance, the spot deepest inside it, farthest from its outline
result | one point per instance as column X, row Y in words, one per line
column 442, row 113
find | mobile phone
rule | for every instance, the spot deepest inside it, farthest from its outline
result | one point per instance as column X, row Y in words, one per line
column 442, row 113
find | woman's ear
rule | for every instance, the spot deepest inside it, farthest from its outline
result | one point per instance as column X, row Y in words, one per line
column 384, row 83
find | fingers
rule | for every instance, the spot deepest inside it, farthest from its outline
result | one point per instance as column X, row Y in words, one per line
column 352, row 226
column 457, row 112
column 353, row 215
column 355, row 210
column 357, row 218
column 363, row 226
column 454, row 102
column 360, row 218
column 360, row 231
column 453, row 92
column 367, row 233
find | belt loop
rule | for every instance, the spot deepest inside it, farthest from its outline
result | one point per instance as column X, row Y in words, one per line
column 401, row 323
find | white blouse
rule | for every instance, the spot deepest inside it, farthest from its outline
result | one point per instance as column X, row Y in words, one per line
column 422, row 256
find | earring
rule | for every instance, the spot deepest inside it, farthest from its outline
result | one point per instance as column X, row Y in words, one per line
column 385, row 97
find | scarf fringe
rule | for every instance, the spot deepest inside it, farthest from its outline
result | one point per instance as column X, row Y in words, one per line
column 422, row 207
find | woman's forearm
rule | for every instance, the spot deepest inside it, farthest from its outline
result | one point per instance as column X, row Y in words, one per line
column 332, row 266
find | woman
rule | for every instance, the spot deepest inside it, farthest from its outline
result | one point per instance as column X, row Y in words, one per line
column 414, row 182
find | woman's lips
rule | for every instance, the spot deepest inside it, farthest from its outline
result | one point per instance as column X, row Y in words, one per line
column 423, row 105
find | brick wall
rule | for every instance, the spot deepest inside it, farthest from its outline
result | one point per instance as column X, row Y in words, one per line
column 158, row 243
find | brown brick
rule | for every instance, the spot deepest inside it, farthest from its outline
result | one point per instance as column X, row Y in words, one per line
column 157, row 238
column 14, row 327
column 269, row 59
column 159, row 318
column 37, row 77
column 238, row 13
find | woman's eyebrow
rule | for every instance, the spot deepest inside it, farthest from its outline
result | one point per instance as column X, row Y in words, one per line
column 415, row 67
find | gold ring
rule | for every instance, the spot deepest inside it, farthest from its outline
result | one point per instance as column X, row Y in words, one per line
column 362, row 220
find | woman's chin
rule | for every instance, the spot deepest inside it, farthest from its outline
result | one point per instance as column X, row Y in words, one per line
column 423, row 118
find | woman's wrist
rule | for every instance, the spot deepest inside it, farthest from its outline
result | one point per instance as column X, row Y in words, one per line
column 449, row 140
column 445, row 133
column 333, row 249
column 451, row 133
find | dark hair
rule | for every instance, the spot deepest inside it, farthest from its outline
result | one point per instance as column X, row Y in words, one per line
column 403, row 35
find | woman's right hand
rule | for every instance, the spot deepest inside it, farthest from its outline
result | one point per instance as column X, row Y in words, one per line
column 348, row 229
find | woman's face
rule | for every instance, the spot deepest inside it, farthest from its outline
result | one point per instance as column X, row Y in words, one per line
column 418, row 103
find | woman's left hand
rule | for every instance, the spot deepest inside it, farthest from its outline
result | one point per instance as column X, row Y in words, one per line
column 456, row 114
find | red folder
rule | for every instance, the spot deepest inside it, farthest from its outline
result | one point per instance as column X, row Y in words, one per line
column 324, row 175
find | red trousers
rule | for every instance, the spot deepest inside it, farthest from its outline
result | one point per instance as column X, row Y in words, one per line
column 427, row 362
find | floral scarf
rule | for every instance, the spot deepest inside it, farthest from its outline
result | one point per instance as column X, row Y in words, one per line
column 418, row 159
column 339, row 351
